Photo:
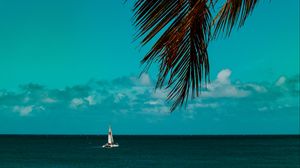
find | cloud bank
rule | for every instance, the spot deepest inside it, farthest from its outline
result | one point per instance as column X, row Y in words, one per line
column 134, row 98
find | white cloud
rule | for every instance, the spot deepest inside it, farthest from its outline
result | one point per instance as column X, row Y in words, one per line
column 222, row 87
column 145, row 79
column 223, row 76
column 23, row 110
column 202, row 105
column 119, row 97
column 138, row 89
column 91, row 100
column 257, row 88
column 154, row 102
column 127, row 96
column 160, row 94
column 280, row 81
column 49, row 100
column 76, row 102
column 263, row 108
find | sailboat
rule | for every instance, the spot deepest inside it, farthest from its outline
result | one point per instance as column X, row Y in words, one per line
column 110, row 143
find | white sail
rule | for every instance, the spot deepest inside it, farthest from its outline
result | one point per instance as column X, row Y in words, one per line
column 110, row 137
column 110, row 143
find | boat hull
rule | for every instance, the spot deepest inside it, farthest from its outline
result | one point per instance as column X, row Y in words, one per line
column 110, row 145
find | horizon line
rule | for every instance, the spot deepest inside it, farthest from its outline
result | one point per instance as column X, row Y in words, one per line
column 298, row 134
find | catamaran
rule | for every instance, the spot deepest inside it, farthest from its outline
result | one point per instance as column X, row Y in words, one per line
column 110, row 143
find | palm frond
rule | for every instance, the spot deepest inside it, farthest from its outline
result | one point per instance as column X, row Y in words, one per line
column 181, row 50
column 233, row 12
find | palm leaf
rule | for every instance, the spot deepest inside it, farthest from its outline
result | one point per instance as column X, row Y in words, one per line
column 181, row 50
column 233, row 12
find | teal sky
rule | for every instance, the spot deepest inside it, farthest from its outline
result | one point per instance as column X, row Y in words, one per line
column 83, row 65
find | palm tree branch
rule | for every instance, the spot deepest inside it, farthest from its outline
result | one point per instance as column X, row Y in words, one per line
column 232, row 13
column 181, row 50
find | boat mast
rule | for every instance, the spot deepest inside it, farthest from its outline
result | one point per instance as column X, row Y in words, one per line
column 110, row 138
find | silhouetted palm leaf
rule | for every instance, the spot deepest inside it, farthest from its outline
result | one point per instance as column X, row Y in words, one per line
column 233, row 12
column 181, row 50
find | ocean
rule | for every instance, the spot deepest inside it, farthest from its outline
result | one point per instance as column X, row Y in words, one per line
column 30, row 151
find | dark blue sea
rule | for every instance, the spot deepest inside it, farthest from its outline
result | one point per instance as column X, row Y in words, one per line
column 150, row 152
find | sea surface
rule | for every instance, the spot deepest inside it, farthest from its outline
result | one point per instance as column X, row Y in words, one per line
column 150, row 152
